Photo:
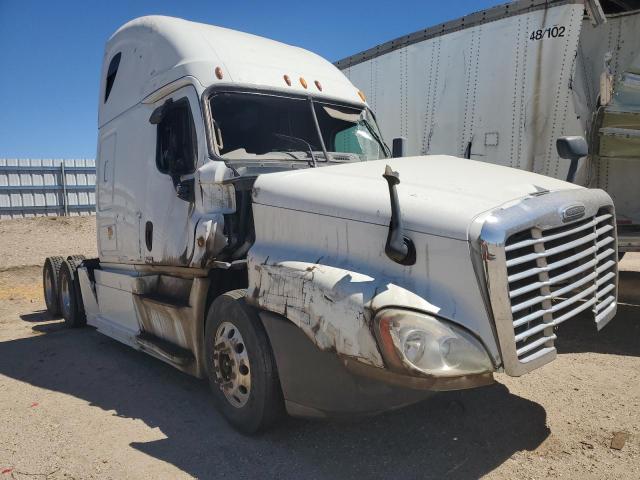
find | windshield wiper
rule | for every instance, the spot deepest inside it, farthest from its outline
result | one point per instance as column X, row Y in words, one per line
column 319, row 132
column 312, row 160
column 377, row 138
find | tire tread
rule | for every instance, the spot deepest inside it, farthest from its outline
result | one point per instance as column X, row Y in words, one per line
column 70, row 267
column 273, row 404
column 53, row 263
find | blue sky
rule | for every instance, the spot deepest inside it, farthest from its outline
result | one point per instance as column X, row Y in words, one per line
column 50, row 52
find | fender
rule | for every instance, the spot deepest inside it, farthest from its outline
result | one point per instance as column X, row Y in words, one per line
column 333, row 306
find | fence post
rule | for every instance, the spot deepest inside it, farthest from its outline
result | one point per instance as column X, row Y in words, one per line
column 64, row 189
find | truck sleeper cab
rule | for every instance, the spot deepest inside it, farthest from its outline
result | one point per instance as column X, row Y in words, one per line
column 253, row 230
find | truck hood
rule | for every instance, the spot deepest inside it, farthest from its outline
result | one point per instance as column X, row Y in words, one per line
column 438, row 194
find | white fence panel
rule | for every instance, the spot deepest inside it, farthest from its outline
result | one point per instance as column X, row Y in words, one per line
column 32, row 187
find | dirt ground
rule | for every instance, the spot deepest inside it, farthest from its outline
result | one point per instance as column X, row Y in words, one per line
column 29, row 241
column 76, row 404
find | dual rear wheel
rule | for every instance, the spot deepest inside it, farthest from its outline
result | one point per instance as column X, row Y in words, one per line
column 62, row 289
column 50, row 276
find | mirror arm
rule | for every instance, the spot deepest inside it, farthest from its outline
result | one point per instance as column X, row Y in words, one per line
column 573, row 167
column 399, row 247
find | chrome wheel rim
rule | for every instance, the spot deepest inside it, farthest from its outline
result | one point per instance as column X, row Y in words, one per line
column 231, row 365
column 65, row 296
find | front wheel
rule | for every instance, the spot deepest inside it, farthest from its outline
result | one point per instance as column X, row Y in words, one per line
column 241, row 368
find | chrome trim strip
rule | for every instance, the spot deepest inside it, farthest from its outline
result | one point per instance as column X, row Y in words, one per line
column 552, row 266
column 537, row 343
column 526, row 243
column 552, row 251
column 555, row 308
column 552, row 280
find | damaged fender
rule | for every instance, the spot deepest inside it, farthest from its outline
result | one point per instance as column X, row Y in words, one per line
column 333, row 306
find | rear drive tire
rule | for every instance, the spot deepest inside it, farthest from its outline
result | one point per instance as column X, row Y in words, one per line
column 71, row 305
column 240, row 364
column 50, row 274
column 75, row 261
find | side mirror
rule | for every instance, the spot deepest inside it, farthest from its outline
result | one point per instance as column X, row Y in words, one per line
column 158, row 114
column 572, row 148
column 399, row 147
column 185, row 190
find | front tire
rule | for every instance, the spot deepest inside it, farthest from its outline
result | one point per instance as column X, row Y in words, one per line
column 70, row 298
column 241, row 368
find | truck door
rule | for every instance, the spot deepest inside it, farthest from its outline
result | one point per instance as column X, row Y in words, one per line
column 168, row 224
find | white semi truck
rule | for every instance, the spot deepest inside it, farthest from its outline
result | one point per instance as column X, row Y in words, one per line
column 502, row 85
column 254, row 230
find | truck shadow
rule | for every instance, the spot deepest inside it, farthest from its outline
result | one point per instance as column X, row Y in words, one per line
column 457, row 434
column 629, row 287
column 620, row 337
column 37, row 316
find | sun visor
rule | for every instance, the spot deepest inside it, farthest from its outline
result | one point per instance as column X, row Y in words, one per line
column 346, row 115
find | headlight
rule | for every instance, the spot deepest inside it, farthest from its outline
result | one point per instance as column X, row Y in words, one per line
column 419, row 342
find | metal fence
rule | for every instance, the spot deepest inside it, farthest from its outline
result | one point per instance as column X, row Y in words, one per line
column 30, row 187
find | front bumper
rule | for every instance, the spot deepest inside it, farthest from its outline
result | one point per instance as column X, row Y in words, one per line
column 322, row 384
column 418, row 383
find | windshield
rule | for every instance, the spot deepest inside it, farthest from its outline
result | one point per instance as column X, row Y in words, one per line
column 268, row 127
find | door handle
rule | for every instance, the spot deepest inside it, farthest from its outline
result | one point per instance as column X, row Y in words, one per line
column 148, row 235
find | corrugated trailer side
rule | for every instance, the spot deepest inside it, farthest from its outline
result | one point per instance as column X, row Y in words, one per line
column 478, row 91
column 502, row 85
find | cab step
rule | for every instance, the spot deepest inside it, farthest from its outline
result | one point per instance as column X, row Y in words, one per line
column 164, row 349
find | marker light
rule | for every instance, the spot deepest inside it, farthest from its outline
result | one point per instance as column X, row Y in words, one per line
column 287, row 80
column 361, row 95
column 303, row 82
column 318, row 86
column 219, row 73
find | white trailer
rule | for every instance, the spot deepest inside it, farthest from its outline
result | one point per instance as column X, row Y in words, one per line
column 253, row 230
column 502, row 85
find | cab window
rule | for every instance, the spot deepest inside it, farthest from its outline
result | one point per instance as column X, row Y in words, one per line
column 176, row 149
column 111, row 75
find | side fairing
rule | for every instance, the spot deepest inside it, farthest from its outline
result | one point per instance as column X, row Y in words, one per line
column 124, row 145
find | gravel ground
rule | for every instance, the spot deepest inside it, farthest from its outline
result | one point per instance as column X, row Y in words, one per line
column 29, row 241
column 76, row 404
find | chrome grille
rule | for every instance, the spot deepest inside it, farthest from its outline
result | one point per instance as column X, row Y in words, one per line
column 555, row 273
